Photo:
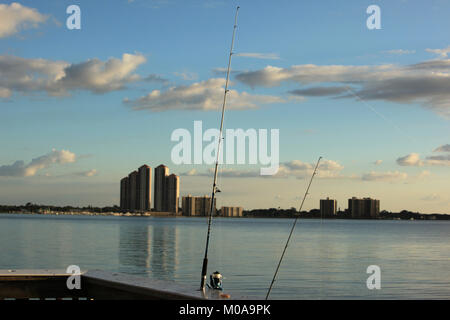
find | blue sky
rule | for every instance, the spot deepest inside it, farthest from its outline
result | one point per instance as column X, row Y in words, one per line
column 181, row 44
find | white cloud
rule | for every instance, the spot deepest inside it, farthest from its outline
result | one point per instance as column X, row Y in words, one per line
column 301, row 170
column 205, row 95
column 442, row 53
column 89, row 173
column 378, row 162
column 256, row 55
column 272, row 76
column 384, row 176
column 443, row 160
column 188, row 76
column 400, row 51
column 427, row 83
column 443, row 148
column 60, row 77
column 414, row 160
column 296, row 169
column 15, row 17
column 156, row 78
column 27, row 75
column 99, row 76
column 328, row 169
column 192, row 172
column 20, row 169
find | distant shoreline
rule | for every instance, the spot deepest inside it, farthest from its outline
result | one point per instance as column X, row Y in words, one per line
column 42, row 209
column 391, row 216
column 115, row 214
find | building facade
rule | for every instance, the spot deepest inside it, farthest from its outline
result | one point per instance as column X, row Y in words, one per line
column 364, row 208
column 232, row 211
column 188, row 206
column 145, row 188
column 328, row 207
column 173, row 193
column 161, row 173
column 197, row 206
column 133, row 185
column 124, row 197
column 135, row 190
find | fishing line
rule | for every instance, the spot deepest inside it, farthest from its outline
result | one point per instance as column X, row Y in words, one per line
column 378, row 113
column 292, row 230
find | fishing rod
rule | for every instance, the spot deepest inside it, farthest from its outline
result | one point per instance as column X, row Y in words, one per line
column 292, row 230
column 214, row 187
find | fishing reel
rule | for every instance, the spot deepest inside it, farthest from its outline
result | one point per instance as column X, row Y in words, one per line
column 215, row 281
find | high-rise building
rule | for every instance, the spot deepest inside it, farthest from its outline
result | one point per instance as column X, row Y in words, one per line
column 232, row 211
column 161, row 173
column 356, row 207
column 124, row 194
column 197, row 206
column 372, row 207
column 133, row 185
column 328, row 207
column 188, row 206
column 173, row 193
column 203, row 206
column 145, row 188
column 364, row 208
column 136, row 190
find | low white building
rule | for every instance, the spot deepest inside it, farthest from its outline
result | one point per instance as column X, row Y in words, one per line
column 232, row 211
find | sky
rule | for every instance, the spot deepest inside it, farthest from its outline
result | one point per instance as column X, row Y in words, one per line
column 81, row 108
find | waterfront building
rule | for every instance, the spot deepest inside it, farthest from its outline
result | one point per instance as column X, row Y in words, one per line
column 231, row 211
column 145, row 188
column 372, row 207
column 135, row 190
column 133, row 185
column 197, row 206
column 203, row 206
column 161, row 173
column 124, row 197
column 188, row 206
column 364, row 208
column 173, row 193
column 328, row 207
column 356, row 207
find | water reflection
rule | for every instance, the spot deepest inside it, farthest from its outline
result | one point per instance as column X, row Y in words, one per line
column 148, row 249
column 323, row 261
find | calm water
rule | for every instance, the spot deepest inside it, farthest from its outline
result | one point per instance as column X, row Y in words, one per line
column 325, row 260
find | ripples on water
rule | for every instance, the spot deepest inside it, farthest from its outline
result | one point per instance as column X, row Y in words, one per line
column 325, row 260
